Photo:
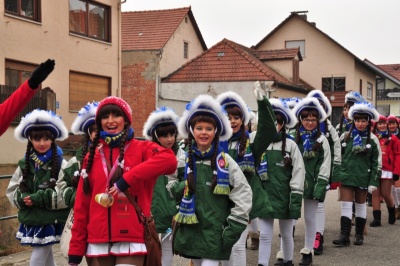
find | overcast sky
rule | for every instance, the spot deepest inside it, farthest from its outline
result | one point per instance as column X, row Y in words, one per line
column 367, row 28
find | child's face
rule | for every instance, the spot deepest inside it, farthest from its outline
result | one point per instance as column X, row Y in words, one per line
column 112, row 123
column 41, row 145
column 381, row 126
column 346, row 112
column 167, row 141
column 392, row 126
column 361, row 124
column 203, row 133
column 309, row 123
column 236, row 122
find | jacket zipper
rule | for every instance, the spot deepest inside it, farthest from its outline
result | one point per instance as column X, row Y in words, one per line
column 109, row 208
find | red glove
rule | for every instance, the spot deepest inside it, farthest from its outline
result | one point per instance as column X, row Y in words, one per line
column 334, row 185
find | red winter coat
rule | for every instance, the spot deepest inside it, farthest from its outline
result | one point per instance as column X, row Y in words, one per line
column 144, row 161
column 14, row 104
column 390, row 154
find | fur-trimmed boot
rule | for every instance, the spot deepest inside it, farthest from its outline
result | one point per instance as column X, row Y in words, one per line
column 360, row 224
column 377, row 218
column 279, row 258
column 345, row 228
column 306, row 257
column 392, row 215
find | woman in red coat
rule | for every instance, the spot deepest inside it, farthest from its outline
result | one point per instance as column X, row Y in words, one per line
column 106, row 227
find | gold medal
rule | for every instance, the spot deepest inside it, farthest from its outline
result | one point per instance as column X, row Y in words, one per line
column 104, row 199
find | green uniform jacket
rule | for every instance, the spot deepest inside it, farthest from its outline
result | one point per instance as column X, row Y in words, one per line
column 222, row 219
column 360, row 169
column 163, row 205
column 46, row 208
column 336, row 151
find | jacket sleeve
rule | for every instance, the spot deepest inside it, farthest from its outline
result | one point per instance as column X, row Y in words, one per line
column 297, row 180
column 396, row 155
column 337, row 151
column 156, row 161
column 376, row 162
column 324, row 172
column 64, row 189
column 13, row 194
column 14, row 104
column 176, row 182
column 266, row 129
column 241, row 196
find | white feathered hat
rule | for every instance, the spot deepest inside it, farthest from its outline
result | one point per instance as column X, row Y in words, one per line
column 207, row 106
column 309, row 103
column 321, row 96
column 231, row 98
column 280, row 107
column 161, row 116
column 291, row 102
column 364, row 108
column 353, row 97
column 86, row 117
column 43, row 120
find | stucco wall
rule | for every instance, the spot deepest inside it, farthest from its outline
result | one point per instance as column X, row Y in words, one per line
column 33, row 42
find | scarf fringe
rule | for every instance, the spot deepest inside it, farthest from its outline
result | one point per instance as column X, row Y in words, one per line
column 186, row 218
column 222, row 190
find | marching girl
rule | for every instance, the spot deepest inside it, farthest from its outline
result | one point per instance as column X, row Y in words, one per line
column 239, row 148
column 106, row 227
column 161, row 128
column 393, row 127
column 216, row 201
column 360, row 171
column 390, row 148
column 317, row 160
column 284, row 181
column 345, row 122
column 334, row 143
column 32, row 187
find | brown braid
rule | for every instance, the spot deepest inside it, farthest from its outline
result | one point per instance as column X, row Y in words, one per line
column 54, row 168
column 298, row 125
column 214, row 163
column 119, row 171
column 190, row 179
column 243, row 142
column 22, row 185
column 92, row 149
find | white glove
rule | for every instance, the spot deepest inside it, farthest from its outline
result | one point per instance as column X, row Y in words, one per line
column 258, row 91
column 372, row 189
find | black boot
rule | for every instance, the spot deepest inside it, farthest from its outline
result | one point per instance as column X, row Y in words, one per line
column 288, row 263
column 377, row 219
column 306, row 259
column 392, row 215
column 360, row 224
column 318, row 244
column 369, row 199
column 345, row 227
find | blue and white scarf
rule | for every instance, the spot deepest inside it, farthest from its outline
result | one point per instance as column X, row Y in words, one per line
column 308, row 138
column 357, row 136
column 41, row 159
column 187, row 212
column 382, row 134
column 347, row 124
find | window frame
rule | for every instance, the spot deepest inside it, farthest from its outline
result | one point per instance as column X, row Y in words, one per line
column 87, row 21
column 36, row 13
column 332, row 82
column 294, row 44
column 370, row 90
column 185, row 50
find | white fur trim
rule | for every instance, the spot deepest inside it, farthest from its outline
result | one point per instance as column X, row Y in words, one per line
column 159, row 116
column 364, row 108
column 232, row 98
column 309, row 103
column 281, row 107
column 85, row 115
column 214, row 107
column 320, row 95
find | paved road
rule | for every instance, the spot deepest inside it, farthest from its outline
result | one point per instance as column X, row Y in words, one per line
column 381, row 245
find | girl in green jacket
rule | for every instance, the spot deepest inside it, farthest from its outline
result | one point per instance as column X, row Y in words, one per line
column 161, row 128
column 360, row 170
column 216, row 202
column 32, row 187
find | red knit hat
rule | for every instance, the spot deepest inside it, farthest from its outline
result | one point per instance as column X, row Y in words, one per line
column 392, row 118
column 118, row 102
column 382, row 118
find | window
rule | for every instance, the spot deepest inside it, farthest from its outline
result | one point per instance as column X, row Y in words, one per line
column 84, row 88
column 185, row 50
column 369, row 90
column 89, row 19
column 334, row 84
column 25, row 8
column 296, row 44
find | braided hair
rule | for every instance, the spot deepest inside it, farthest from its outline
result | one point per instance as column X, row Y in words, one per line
column 191, row 178
column 39, row 134
column 287, row 161
column 236, row 111
column 103, row 113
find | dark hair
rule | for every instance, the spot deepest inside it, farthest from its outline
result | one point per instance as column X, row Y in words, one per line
column 39, row 134
column 191, row 179
column 309, row 113
column 104, row 112
column 164, row 131
column 340, row 129
column 236, row 111
column 287, row 161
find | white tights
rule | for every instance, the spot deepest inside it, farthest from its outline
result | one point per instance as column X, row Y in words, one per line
column 205, row 262
column 166, row 251
column 310, row 213
column 266, row 233
column 320, row 218
column 42, row 255
column 238, row 252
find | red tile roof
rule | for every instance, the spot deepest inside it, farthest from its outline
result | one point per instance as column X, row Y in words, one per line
column 150, row 30
column 226, row 61
column 391, row 69
column 289, row 53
